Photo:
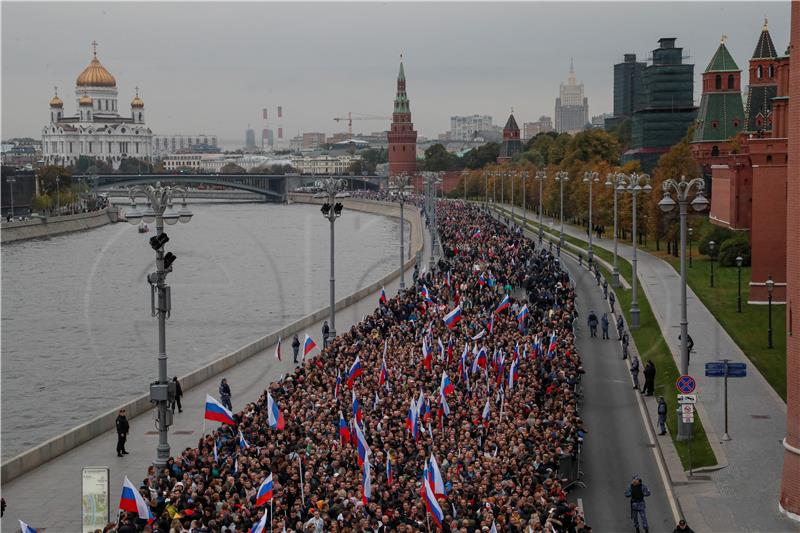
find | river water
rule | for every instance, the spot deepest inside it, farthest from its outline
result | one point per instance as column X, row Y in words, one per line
column 77, row 336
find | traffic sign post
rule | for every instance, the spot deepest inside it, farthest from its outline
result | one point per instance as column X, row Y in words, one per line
column 724, row 369
column 686, row 386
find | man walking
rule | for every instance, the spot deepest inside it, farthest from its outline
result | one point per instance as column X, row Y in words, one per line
column 592, row 321
column 662, row 416
column 604, row 325
column 295, row 347
column 178, row 395
column 225, row 394
column 649, row 378
column 122, row 433
column 637, row 491
column 326, row 330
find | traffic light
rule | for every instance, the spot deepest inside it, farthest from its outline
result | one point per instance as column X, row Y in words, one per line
column 337, row 209
column 158, row 241
column 169, row 258
column 326, row 208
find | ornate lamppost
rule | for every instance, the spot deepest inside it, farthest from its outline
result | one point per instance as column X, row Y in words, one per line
column 541, row 177
column 332, row 210
column 400, row 187
column 616, row 181
column 739, row 261
column 524, row 176
column 561, row 178
column 635, row 183
column 770, row 287
column 590, row 177
column 712, row 246
column 160, row 211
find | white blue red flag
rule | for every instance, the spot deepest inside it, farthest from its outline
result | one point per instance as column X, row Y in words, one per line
column 338, row 384
column 388, row 468
column 217, row 412
column 485, row 414
column 481, row 280
column 354, row 372
column 446, row 386
column 357, row 415
column 477, row 233
column 553, row 345
column 133, row 502
column 366, row 486
column 427, row 354
column 344, row 430
column 435, row 477
column 513, row 374
column 243, row 445
column 480, row 360
column 522, row 313
column 361, row 446
column 429, row 498
column 384, row 373
column 426, row 295
column 383, row 299
column 216, row 453
column 490, row 325
column 504, row 304
column 412, row 422
column 261, row 525
column 308, row 345
column 25, row 528
column 264, row 494
column 452, row 318
column 275, row 416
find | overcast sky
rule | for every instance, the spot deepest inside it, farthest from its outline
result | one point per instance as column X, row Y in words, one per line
column 211, row 67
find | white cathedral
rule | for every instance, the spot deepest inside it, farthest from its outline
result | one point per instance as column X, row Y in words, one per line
column 98, row 130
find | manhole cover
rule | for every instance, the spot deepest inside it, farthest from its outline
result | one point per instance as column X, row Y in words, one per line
column 761, row 417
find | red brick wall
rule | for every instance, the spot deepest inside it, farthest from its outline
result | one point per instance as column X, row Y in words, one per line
column 722, row 197
column 790, row 488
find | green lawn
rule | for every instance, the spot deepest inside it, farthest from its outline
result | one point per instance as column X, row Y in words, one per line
column 651, row 346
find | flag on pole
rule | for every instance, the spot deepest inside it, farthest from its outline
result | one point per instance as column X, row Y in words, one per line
column 494, row 528
column 477, row 233
column 485, row 414
column 490, row 325
column 366, row 487
column 261, row 525
column 357, row 415
column 427, row 354
column 216, row 454
column 278, row 352
column 435, row 477
column 344, row 430
column 338, row 384
column 308, row 345
column 481, row 280
column 452, row 318
column 133, row 502
column 412, row 422
column 479, row 336
column 430, row 500
column 441, row 349
column 383, row 299
column 217, row 412
column 243, row 445
column 388, row 468
column 446, row 385
column 25, row 528
column 354, row 372
column 480, row 360
column 275, row 416
column 384, row 372
column 376, row 401
column 522, row 313
column 264, row 494
column 504, row 304
column 426, row 295
column 362, row 447
column 513, row 374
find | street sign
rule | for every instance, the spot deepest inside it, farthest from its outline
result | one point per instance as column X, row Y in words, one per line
column 685, row 384
column 687, row 412
column 687, row 398
column 716, row 369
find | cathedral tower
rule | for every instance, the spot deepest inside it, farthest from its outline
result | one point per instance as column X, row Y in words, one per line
column 402, row 136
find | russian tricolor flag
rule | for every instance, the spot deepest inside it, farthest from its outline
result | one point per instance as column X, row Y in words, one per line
column 383, row 299
column 354, row 372
column 426, row 294
column 480, row 360
column 447, row 385
column 452, row 318
column 264, row 494
column 435, row 477
column 275, row 416
column 388, row 468
column 384, row 373
column 217, row 412
column 344, row 431
column 308, row 345
column 25, row 528
column 362, row 446
column 430, row 500
column 513, row 374
column 481, row 280
column 133, row 502
column 412, row 423
column 242, row 443
column 477, row 233
column 522, row 313
column 485, row 414
column 357, row 409
column 490, row 325
column 338, row 385
column 366, row 487
column 504, row 303
column 261, row 525
column 427, row 354
column 553, row 344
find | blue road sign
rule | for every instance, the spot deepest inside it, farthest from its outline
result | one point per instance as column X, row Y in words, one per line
column 716, row 369
column 685, row 384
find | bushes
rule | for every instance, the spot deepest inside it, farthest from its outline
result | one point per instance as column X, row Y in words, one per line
column 710, row 232
column 732, row 247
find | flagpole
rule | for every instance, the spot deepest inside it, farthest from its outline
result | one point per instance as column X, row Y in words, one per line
column 427, row 518
column 302, row 490
column 270, row 516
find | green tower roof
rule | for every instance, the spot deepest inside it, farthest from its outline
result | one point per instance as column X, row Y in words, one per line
column 402, row 74
column 722, row 61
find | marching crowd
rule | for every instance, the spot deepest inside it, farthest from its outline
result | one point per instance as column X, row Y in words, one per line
column 497, row 436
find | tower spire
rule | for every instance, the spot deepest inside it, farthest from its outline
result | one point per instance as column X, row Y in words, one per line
column 94, row 47
column 571, row 66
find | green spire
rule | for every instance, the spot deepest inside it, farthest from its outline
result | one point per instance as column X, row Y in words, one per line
column 722, row 60
column 402, row 74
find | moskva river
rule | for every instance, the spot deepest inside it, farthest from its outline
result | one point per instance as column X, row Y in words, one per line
column 77, row 335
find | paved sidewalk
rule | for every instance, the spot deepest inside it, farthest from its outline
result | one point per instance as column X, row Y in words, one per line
column 50, row 496
column 744, row 495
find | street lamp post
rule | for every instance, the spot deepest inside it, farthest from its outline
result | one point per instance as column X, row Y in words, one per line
column 561, row 177
column 541, row 177
column 739, row 261
column 634, row 183
column 332, row 210
column 590, row 177
column 770, row 287
column 464, row 175
column 160, row 210
column 400, row 187
column 691, row 231
column 513, row 176
column 58, row 195
column 11, row 180
column 615, row 181
column 711, row 248
column 494, row 186
column 682, row 189
column 486, row 188
column 524, row 176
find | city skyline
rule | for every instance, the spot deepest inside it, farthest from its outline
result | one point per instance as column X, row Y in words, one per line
column 334, row 70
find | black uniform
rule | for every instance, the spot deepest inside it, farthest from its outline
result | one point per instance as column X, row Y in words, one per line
column 649, row 378
column 178, row 395
column 122, row 433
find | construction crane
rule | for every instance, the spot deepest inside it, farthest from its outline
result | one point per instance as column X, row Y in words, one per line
column 359, row 116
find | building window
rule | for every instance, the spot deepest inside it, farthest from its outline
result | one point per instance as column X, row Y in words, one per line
column 718, row 82
column 760, row 72
column 770, row 71
column 714, row 151
column 90, row 146
column 736, row 123
column 731, row 81
column 769, row 159
column 714, row 123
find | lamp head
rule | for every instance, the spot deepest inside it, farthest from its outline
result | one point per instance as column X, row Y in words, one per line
column 170, row 216
column 666, row 204
column 739, row 260
column 185, row 214
column 148, row 215
column 700, row 202
column 711, row 246
column 770, row 284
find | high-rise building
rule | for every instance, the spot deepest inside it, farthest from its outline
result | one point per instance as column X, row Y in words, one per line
column 313, row 140
column 511, row 142
column 532, row 129
column 572, row 107
column 627, row 84
column 250, row 138
column 466, row 128
column 790, row 487
column 664, row 109
column 402, row 136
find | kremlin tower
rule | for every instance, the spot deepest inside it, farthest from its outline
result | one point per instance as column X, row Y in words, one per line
column 402, row 136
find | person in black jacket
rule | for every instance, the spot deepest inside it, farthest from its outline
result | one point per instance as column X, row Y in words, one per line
column 178, row 395
column 649, row 379
column 122, row 433
column 295, row 347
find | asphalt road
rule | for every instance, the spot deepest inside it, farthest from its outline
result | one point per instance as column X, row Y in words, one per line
column 618, row 444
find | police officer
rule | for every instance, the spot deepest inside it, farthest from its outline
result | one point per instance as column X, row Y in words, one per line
column 662, row 416
column 625, row 343
column 605, row 288
column 295, row 347
column 611, row 300
column 225, row 394
column 326, row 331
column 604, row 325
column 637, row 491
column 122, row 433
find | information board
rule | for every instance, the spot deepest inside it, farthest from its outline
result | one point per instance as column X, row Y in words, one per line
column 94, row 498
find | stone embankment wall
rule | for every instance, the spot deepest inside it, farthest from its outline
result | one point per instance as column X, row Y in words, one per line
column 37, row 228
column 68, row 440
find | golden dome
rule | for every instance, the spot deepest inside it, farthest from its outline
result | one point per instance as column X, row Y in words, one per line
column 56, row 102
column 96, row 75
column 85, row 100
column 137, row 102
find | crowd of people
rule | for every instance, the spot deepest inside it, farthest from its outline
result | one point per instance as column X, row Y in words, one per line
column 499, row 437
